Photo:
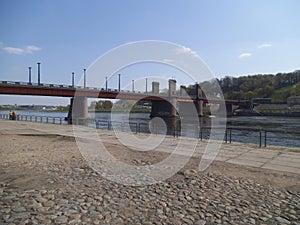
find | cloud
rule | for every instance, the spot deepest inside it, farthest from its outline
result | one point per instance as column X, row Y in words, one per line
column 32, row 48
column 245, row 55
column 264, row 46
column 185, row 50
column 29, row 49
column 12, row 50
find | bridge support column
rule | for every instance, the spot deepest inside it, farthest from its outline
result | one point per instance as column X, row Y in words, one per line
column 164, row 108
column 78, row 111
column 229, row 109
column 199, row 107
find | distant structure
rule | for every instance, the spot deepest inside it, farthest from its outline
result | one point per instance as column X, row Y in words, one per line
column 155, row 87
column 293, row 100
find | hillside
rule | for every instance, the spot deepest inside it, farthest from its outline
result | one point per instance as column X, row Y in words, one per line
column 278, row 87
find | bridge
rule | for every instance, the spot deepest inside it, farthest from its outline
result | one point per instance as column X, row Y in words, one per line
column 163, row 104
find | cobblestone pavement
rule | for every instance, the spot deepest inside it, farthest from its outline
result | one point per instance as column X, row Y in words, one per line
column 44, row 180
column 84, row 198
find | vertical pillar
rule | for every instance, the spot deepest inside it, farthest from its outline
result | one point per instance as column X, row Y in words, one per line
column 182, row 90
column 146, row 85
column 73, row 79
column 172, row 87
column 174, row 107
column 119, row 82
column 106, row 83
column 132, row 85
column 200, row 108
column 199, row 102
column 78, row 111
column 39, row 73
column 29, row 71
column 84, row 78
column 155, row 87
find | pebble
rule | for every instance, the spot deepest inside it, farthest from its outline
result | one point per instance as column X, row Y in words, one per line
column 194, row 198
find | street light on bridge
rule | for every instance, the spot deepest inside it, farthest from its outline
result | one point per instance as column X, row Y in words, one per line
column 84, row 78
column 119, row 82
column 73, row 77
column 105, row 83
column 132, row 85
column 39, row 73
column 29, row 71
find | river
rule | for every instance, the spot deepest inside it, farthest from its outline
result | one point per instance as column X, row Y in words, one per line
column 281, row 131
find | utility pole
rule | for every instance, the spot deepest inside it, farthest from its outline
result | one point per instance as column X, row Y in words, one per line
column 29, row 71
column 39, row 73
column 84, row 78
column 119, row 82
column 146, row 85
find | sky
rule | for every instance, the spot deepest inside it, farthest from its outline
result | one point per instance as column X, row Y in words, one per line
column 232, row 37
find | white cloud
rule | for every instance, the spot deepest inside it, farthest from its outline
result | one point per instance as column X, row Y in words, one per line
column 245, row 55
column 185, row 50
column 264, row 46
column 32, row 48
column 12, row 50
column 29, row 49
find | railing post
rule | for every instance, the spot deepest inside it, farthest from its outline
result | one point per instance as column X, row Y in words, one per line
column 229, row 135
column 201, row 135
column 260, row 138
column 265, row 138
column 226, row 136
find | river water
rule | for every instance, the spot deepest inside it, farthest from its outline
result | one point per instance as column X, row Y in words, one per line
column 281, row 131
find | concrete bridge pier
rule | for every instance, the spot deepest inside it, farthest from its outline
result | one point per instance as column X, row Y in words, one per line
column 164, row 108
column 78, row 111
column 228, row 108
column 199, row 107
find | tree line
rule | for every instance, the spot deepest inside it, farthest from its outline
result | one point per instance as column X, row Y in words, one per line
column 278, row 87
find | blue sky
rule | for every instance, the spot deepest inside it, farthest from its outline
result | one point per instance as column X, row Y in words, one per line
column 233, row 37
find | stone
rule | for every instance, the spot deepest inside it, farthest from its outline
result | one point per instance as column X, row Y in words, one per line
column 200, row 222
column 282, row 220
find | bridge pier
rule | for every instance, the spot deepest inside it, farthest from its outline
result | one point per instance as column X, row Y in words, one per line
column 164, row 108
column 78, row 111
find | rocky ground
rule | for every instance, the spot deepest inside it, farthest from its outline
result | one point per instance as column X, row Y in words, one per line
column 44, row 180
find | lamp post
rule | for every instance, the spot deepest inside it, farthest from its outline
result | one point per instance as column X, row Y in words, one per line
column 132, row 85
column 73, row 79
column 39, row 73
column 146, row 85
column 29, row 71
column 106, row 83
column 84, row 78
column 119, row 82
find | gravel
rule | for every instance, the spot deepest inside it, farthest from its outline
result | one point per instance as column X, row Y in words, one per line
column 191, row 198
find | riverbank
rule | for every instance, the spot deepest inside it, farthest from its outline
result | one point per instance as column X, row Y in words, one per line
column 45, row 180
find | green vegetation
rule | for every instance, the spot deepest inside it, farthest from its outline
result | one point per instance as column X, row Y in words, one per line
column 101, row 105
column 278, row 87
column 119, row 106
